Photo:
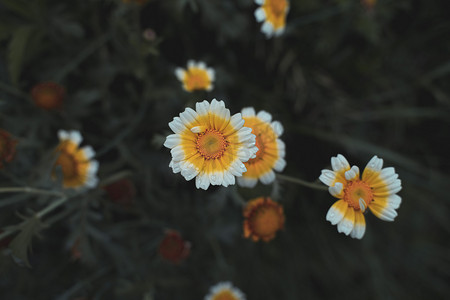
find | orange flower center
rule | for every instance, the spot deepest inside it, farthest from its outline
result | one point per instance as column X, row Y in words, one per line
column 224, row 295
column 68, row 164
column 211, row 144
column 196, row 79
column 355, row 191
column 266, row 220
column 278, row 7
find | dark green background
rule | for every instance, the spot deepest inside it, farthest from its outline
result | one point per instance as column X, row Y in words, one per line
column 342, row 79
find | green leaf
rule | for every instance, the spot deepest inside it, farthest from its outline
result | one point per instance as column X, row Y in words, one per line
column 20, row 7
column 16, row 51
column 21, row 244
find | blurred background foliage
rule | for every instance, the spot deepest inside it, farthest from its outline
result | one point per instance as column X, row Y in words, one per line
column 347, row 77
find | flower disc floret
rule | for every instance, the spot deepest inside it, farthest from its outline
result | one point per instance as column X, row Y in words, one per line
column 376, row 189
column 77, row 166
column 197, row 76
column 263, row 218
column 224, row 291
column 273, row 13
column 271, row 149
column 210, row 145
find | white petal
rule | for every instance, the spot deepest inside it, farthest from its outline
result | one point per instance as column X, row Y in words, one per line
column 93, row 167
column 352, row 174
column 188, row 116
column 339, row 162
column 388, row 175
column 216, row 178
column 362, row 205
column 394, row 201
column 268, row 177
column 201, row 65
column 375, row 163
column 191, row 64
column 260, row 2
column 202, row 108
column 280, row 164
column 267, row 29
column 245, row 133
column 277, row 127
column 216, row 106
column 327, row 177
column 260, row 15
column 172, row 141
column 393, row 187
column 237, row 168
column 336, row 190
column 265, row 116
column 177, row 153
column 236, row 121
column 91, row 182
column 358, row 230
column 248, row 112
column 177, row 125
column 175, row 165
column 75, row 137
column 202, row 181
column 228, row 179
column 211, row 74
column 247, row 182
column 189, row 171
column 384, row 213
column 198, row 129
column 179, row 73
column 88, row 152
column 63, row 135
column 334, row 214
column 345, row 225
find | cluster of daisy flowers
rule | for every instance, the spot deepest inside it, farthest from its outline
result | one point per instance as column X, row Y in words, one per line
column 213, row 147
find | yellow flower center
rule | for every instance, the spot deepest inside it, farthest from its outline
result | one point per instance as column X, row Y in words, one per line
column 224, row 295
column 211, row 144
column 265, row 221
column 196, row 79
column 356, row 190
column 278, row 7
column 68, row 164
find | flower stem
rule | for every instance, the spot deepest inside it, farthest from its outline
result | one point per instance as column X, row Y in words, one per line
column 302, row 182
column 51, row 207
column 26, row 189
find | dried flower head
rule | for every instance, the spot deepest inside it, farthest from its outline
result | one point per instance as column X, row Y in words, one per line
column 7, row 147
column 197, row 76
column 210, row 145
column 78, row 168
column 48, row 95
column 375, row 190
column 173, row 247
column 273, row 13
column 224, row 291
column 263, row 218
column 121, row 191
column 271, row 150
column 4, row 243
